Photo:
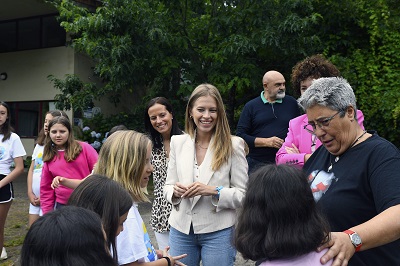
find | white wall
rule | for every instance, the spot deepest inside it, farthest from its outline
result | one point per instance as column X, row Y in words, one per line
column 28, row 70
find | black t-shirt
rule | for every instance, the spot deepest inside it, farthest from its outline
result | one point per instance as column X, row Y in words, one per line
column 364, row 182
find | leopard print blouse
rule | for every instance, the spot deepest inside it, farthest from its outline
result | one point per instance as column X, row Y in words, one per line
column 161, row 208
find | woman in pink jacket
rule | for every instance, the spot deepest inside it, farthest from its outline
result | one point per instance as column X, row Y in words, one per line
column 300, row 144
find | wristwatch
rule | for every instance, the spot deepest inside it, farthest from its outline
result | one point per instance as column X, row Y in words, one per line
column 355, row 239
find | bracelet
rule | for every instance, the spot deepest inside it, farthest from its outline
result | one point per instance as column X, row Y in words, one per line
column 218, row 189
column 168, row 260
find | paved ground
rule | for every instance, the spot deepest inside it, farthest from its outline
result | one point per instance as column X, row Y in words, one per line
column 17, row 220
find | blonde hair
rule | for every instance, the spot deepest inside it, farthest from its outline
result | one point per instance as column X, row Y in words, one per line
column 123, row 158
column 222, row 144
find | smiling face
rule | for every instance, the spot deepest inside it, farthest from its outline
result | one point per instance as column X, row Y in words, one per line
column 147, row 170
column 205, row 114
column 47, row 120
column 59, row 135
column 3, row 115
column 160, row 119
column 338, row 136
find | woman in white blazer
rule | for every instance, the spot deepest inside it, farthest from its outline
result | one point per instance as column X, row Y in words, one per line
column 206, row 182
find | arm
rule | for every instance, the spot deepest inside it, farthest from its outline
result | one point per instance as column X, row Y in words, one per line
column 34, row 200
column 382, row 229
column 297, row 157
column 232, row 196
column 47, row 196
column 162, row 261
column 66, row 182
column 172, row 178
column 272, row 142
column 18, row 170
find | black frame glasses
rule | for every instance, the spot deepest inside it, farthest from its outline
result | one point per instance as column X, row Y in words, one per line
column 321, row 123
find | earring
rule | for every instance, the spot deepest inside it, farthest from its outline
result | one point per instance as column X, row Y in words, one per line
column 191, row 117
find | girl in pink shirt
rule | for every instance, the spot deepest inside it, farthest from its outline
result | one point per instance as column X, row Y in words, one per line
column 63, row 156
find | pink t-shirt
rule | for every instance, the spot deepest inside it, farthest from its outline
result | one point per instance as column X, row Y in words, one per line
column 310, row 259
column 79, row 168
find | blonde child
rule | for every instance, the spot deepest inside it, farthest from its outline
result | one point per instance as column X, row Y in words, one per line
column 125, row 158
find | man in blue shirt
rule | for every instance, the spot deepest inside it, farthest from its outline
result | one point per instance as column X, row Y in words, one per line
column 264, row 121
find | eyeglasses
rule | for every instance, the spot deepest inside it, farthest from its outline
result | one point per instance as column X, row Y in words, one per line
column 323, row 122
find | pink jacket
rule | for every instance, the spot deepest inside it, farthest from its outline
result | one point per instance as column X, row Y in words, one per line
column 302, row 139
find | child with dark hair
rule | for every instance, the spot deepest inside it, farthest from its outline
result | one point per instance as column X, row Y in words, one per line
column 11, row 151
column 108, row 199
column 279, row 223
column 161, row 126
column 68, row 236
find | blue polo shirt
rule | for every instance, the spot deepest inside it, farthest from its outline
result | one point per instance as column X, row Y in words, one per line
column 261, row 118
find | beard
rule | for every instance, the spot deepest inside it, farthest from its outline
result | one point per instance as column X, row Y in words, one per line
column 280, row 95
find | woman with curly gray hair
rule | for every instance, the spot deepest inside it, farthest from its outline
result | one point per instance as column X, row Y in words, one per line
column 354, row 178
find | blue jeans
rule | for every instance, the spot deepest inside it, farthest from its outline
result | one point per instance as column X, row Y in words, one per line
column 211, row 248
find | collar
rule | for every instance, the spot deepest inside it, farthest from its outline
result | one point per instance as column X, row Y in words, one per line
column 266, row 101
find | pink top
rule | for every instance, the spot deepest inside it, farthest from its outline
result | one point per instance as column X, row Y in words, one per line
column 310, row 259
column 303, row 141
column 80, row 168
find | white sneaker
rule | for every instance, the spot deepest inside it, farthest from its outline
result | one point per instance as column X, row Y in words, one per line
column 3, row 254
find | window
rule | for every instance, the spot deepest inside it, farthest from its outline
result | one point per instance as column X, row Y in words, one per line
column 27, row 118
column 31, row 33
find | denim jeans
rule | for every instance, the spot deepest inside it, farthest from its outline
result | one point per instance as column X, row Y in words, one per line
column 211, row 248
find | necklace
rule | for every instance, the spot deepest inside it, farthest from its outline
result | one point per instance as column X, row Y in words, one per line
column 198, row 144
column 338, row 157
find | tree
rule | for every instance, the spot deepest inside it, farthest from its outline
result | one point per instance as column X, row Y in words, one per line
column 169, row 47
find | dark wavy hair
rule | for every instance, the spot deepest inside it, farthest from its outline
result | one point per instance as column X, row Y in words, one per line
column 69, row 236
column 155, row 136
column 315, row 66
column 108, row 199
column 279, row 218
column 6, row 129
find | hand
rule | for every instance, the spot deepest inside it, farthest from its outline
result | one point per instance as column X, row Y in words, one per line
column 57, row 181
column 274, row 142
column 199, row 189
column 292, row 150
column 179, row 189
column 340, row 248
column 174, row 260
column 35, row 201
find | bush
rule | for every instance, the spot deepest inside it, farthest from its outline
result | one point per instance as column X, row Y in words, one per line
column 95, row 130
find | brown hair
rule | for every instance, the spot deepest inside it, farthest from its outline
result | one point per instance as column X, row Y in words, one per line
column 72, row 146
column 315, row 66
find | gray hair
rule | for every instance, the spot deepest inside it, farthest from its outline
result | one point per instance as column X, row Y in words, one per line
column 334, row 93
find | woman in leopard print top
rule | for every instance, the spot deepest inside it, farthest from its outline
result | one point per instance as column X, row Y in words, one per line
column 160, row 125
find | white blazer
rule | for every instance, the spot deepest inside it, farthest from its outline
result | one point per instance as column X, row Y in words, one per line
column 205, row 212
